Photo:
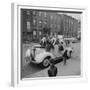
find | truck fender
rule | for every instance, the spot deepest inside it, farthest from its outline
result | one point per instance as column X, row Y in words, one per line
column 39, row 58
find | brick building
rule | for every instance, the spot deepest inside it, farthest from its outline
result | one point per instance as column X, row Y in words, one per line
column 36, row 23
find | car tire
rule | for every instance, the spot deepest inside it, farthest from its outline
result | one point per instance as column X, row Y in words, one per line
column 46, row 62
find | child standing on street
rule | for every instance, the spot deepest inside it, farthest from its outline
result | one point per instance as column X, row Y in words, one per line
column 65, row 57
column 52, row 72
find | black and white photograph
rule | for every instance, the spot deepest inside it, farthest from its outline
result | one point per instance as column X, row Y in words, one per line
column 50, row 43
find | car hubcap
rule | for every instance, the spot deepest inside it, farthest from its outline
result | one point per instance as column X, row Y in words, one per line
column 46, row 62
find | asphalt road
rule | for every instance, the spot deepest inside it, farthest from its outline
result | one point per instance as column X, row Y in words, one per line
column 71, row 68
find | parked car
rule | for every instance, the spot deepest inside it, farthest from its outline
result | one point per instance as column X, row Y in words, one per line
column 74, row 40
column 39, row 55
column 71, row 39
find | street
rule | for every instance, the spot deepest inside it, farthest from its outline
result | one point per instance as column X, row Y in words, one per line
column 71, row 68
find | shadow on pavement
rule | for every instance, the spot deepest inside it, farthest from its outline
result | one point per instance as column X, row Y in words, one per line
column 30, row 69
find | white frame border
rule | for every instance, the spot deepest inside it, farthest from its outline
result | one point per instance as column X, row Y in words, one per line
column 15, row 35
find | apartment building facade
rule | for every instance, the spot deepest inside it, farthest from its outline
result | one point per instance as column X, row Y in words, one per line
column 38, row 23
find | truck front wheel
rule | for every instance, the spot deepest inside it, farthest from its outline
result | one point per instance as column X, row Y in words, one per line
column 46, row 62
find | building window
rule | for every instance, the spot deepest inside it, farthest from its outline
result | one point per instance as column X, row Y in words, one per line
column 34, row 22
column 51, row 17
column 34, row 33
column 40, row 23
column 40, row 33
column 34, row 12
column 28, row 12
column 28, row 25
column 45, row 14
column 40, row 13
